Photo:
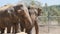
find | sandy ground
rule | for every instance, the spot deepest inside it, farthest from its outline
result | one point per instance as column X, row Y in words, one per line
column 48, row 30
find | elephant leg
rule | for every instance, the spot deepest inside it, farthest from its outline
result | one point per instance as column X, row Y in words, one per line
column 36, row 27
column 1, row 31
column 16, row 28
column 28, row 31
column 22, row 29
column 8, row 29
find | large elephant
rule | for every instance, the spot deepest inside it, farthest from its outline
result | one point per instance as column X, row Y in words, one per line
column 27, row 19
column 7, row 19
column 19, row 15
column 34, row 12
column 11, row 17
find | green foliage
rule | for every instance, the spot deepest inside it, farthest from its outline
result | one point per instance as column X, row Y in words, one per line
column 53, row 10
column 31, row 2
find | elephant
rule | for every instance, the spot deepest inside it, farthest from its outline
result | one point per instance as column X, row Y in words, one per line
column 20, row 14
column 7, row 19
column 34, row 13
column 26, row 19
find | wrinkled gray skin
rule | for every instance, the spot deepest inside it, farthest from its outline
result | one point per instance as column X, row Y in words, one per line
column 19, row 14
column 34, row 13
column 7, row 19
column 11, row 17
column 25, row 20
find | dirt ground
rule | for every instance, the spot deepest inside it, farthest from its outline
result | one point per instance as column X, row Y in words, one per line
column 48, row 30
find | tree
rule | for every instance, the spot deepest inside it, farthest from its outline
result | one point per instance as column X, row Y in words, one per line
column 31, row 2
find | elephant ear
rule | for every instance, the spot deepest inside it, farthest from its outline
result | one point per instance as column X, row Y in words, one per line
column 39, row 11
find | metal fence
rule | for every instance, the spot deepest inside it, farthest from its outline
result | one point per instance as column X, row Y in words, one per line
column 48, row 24
column 52, row 20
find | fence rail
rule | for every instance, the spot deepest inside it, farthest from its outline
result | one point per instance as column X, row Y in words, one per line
column 52, row 20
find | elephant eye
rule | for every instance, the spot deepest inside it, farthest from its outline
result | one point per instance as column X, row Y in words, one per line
column 28, row 7
column 21, row 5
